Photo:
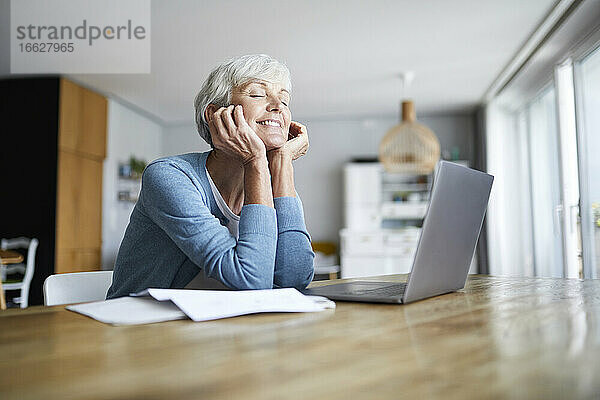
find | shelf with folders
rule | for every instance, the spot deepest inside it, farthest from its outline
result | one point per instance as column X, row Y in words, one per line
column 384, row 213
column 404, row 197
column 128, row 184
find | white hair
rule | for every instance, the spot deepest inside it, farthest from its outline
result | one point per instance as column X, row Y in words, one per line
column 233, row 73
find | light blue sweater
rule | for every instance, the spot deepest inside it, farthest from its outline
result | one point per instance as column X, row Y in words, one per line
column 176, row 227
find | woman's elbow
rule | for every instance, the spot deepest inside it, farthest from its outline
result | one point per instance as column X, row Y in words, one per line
column 255, row 280
column 303, row 281
column 309, row 277
column 309, row 271
column 254, row 274
column 299, row 276
column 255, row 283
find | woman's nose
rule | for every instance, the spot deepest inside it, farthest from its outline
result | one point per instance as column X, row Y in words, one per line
column 274, row 104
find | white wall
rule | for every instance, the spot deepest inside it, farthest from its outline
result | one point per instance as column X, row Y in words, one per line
column 332, row 143
column 179, row 139
column 129, row 133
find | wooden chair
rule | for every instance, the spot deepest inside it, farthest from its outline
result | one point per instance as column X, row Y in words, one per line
column 27, row 268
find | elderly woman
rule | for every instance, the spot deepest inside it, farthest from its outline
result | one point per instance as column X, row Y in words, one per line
column 233, row 212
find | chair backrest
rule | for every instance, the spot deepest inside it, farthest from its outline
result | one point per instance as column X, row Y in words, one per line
column 31, row 246
column 16, row 243
column 77, row 287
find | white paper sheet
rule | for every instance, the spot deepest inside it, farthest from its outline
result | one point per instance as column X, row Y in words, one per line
column 129, row 310
column 199, row 305
column 204, row 305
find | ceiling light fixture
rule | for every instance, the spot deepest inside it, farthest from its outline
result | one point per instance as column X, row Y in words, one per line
column 409, row 147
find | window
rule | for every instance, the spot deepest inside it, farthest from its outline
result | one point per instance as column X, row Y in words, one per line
column 524, row 216
column 588, row 90
column 546, row 206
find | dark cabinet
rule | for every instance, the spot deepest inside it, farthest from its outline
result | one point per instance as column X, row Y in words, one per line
column 52, row 146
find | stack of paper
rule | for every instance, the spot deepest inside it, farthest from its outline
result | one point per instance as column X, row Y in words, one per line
column 129, row 311
column 199, row 305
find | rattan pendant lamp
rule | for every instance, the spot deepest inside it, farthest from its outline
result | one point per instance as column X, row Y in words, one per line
column 409, row 147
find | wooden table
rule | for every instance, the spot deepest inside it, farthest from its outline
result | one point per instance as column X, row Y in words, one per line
column 498, row 338
column 7, row 257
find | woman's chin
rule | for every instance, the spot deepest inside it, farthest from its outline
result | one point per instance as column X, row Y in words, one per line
column 273, row 143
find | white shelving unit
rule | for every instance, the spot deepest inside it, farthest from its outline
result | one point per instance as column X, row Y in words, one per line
column 394, row 210
column 383, row 218
column 383, row 215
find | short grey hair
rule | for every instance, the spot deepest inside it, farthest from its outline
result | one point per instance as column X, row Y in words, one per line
column 235, row 72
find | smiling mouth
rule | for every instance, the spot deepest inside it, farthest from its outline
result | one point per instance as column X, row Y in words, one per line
column 270, row 122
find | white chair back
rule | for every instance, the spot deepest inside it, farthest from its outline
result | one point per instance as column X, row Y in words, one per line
column 31, row 246
column 77, row 287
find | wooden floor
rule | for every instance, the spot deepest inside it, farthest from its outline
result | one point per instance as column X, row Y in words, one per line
column 498, row 338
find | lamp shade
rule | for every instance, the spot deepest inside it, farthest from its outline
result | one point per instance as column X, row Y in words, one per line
column 409, row 147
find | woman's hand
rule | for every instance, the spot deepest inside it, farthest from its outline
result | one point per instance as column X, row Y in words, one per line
column 297, row 144
column 280, row 161
column 232, row 135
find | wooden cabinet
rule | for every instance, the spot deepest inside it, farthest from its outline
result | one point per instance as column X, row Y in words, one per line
column 51, row 156
column 82, row 123
column 81, row 152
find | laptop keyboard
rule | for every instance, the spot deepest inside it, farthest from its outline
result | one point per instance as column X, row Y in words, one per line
column 360, row 290
column 396, row 289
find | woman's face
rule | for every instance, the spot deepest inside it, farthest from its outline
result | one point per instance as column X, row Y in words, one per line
column 266, row 110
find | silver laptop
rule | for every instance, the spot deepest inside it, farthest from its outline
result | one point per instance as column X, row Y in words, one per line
column 459, row 198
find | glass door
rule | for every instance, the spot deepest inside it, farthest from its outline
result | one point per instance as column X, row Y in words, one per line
column 547, row 210
column 569, row 172
column 588, row 131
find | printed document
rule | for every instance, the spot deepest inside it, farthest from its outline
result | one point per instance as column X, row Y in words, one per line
column 198, row 305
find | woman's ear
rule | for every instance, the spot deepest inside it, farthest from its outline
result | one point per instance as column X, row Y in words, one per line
column 210, row 110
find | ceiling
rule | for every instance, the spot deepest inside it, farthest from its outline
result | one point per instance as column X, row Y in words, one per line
column 344, row 56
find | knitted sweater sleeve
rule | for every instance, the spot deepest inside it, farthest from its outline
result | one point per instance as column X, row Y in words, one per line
column 179, row 207
column 294, row 257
